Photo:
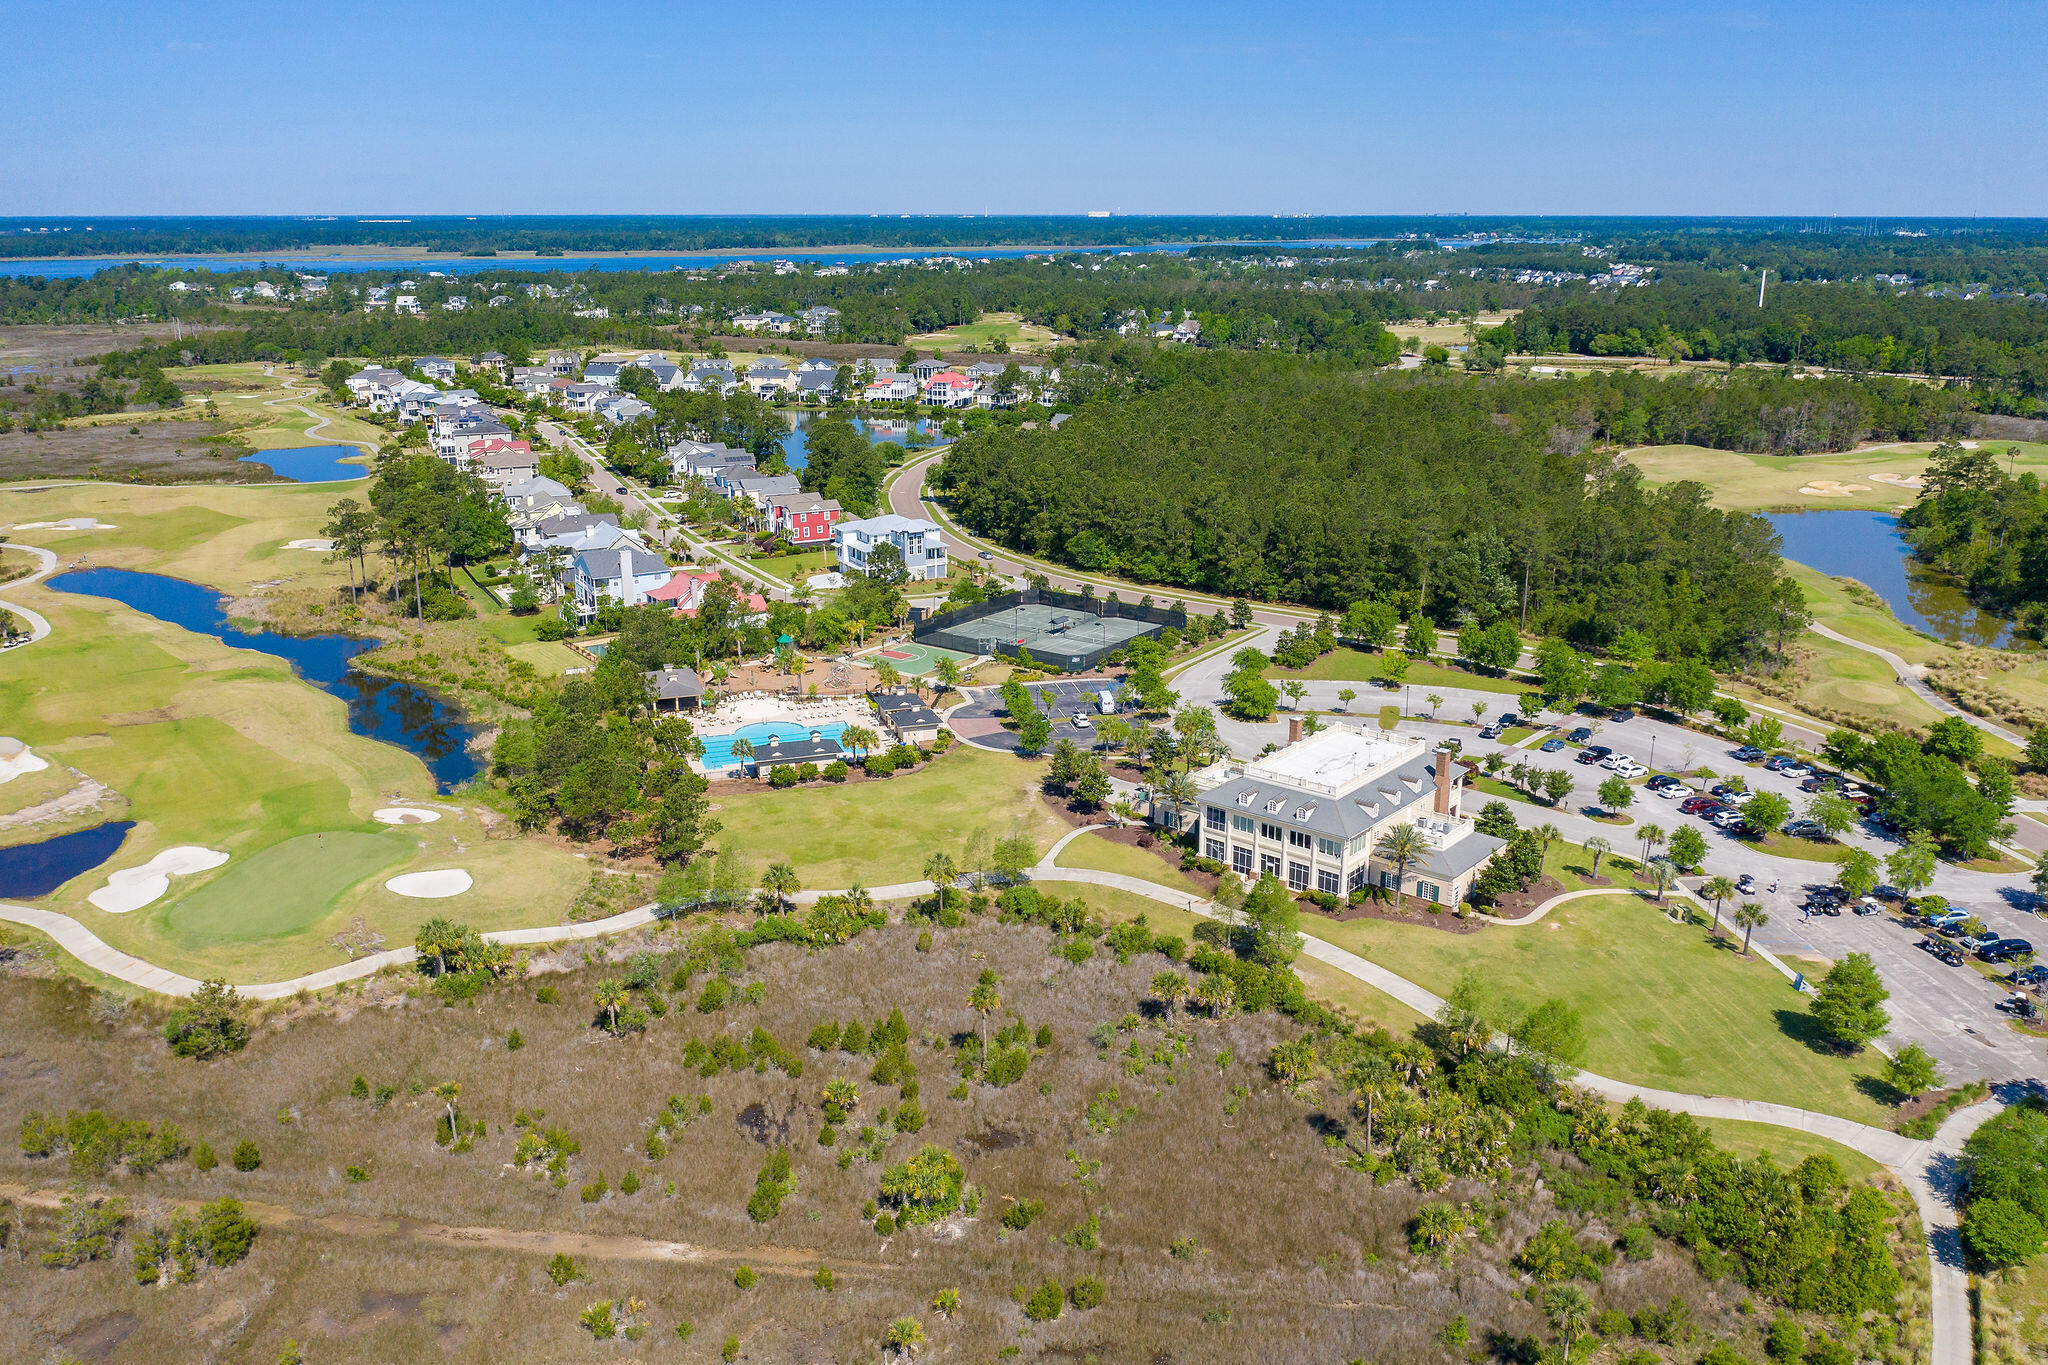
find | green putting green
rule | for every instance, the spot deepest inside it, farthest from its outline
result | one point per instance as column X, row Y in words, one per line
column 285, row 888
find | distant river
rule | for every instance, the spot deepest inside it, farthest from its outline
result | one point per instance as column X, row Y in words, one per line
column 311, row 464
column 379, row 708
column 1868, row 547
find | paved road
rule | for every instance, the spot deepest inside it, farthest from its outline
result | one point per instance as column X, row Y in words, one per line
column 1914, row 679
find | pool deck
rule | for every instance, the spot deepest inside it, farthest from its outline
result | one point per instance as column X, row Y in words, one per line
column 736, row 713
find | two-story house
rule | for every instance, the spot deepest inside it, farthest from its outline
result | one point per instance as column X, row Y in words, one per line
column 803, row 518
column 924, row 552
column 1314, row 815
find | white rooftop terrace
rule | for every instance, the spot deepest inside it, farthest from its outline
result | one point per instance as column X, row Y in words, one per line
column 1331, row 762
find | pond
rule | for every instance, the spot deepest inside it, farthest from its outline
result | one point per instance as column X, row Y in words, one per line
column 897, row 431
column 1868, row 547
column 31, row 870
column 311, row 464
column 379, row 708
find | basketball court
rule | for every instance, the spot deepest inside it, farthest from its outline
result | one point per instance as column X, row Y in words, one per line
column 913, row 659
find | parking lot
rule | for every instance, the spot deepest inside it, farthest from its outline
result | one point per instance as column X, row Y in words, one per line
column 979, row 721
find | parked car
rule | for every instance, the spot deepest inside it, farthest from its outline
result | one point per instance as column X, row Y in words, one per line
column 1814, row 784
column 1490, row 732
column 1978, row 942
column 1081, row 721
column 1508, row 721
column 1628, row 767
column 1944, row 919
column 1749, row 753
column 1806, row 829
column 2029, row 976
column 1725, row 792
column 1730, row 820
column 2005, row 949
column 1671, row 791
column 1579, row 736
column 1594, row 753
column 1794, row 770
column 1551, row 746
column 1868, row 905
column 1621, row 713
column 1694, row 805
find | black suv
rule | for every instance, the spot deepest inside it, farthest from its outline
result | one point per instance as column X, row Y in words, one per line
column 2004, row 949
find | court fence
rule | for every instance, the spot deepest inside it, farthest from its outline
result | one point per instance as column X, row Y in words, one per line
column 1060, row 630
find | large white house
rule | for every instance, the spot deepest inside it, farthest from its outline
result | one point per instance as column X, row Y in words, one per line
column 924, row 552
column 1315, row 812
column 624, row 574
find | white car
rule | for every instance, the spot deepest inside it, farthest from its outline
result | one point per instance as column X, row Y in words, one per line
column 1081, row 721
column 1624, row 766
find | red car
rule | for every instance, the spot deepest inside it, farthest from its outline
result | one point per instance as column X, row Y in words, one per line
column 1693, row 805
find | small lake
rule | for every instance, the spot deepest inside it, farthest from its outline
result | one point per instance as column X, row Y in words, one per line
column 379, row 708
column 1868, row 547
column 31, row 870
column 796, row 445
column 311, row 464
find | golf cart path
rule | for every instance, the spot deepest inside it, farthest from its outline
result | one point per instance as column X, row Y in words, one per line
column 1913, row 678
column 46, row 561
column 1928, row 1168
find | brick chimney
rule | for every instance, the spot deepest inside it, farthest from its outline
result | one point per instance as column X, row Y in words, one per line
column 1446, row 785
column 1294, row 729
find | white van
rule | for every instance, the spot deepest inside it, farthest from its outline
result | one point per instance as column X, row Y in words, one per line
column 1105, row 702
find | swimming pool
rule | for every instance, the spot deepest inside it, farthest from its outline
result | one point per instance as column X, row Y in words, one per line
column 718, row 748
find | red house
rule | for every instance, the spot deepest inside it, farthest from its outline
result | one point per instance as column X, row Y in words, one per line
column 803, row 518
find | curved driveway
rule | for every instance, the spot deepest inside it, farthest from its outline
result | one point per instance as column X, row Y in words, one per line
column 38, row 625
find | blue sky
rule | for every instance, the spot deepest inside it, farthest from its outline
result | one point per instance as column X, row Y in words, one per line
column 635, row 106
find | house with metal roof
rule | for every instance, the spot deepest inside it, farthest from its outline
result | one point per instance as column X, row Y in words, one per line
column 905, row 716
column 675, row 689
column 1315, row 812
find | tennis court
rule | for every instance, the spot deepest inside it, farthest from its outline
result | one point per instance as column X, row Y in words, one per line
column 913, row 659
column 1050, row 632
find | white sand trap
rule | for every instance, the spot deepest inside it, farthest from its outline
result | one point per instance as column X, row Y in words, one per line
column 134, row 887
column 1831, row 488
column 1914, row 481
column 68, row 524
column 405, row 815
column 431, row 886
column 323, row 546
column 18, row 760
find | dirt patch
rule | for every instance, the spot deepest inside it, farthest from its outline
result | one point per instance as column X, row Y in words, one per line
column 1417, row 912
column 1518, row 903
column 770, row 1126
column 994, row 1139
column 101, row 1337
column 169, row 451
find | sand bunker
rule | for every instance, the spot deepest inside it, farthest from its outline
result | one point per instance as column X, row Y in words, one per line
column 431, row 886
column 134, row 887
column 323, row 546
column 404, row 815
column 18, row 760
column 1914, row 481
column 68, row 524
column 1830, row 488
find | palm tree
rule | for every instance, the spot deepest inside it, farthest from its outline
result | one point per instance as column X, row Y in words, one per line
column 1372, row 1080
column 841, row 1093
column 1653, row 836
column 446, row 1091
column 1437, row 1224
column 940, row 870
column 781, row 882
column 1215, row 993
column 1663, row 872
column 858, row 739
column 743, row 750
column 1570, row 1311
column 1717, row 889
column 858, row 898
column 1403, row 846
column 1598, row 848
column 1177, row 791
column 1345, row 696
column 439, row 936
column 1169, row 986
column 1549, row 834
column 984, row 1001
column 611, row 993
column 1749, row 919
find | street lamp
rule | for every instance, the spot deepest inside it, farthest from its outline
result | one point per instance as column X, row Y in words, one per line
column 1405, row 690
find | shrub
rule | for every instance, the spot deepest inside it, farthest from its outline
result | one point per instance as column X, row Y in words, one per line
column 885, row 1223
column 562, row 1269
column 246, row 1156
column 824, row 1278
column 513, row 1042
column 879, row 765
column 356, row 1173
column 629, row 1183
column 547, row 995
column 731, row 1350
column 1045, row 1302
column 745, row 1277
column 213, row 1021
column 1638, row 1243
column 782, row 775
column 1022, row 1214
column 771, row 1186
column 836, row 770
column 203, row 1157
column 598, row 1318
column 1086, row 1293
column 807, row 772
column 595, row 1190
column 716, row 993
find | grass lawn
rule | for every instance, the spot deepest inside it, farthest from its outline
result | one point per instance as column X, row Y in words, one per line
column 1664, row 1004
column 282, row 889
column 985, row 331
column 1755, row 482
column 878, row 833
column 267, row 418
column 1787, row 1146
column 792, row 569
column 548, row 656
column 1324, row 982
column 1344, row 664
column 1103, row 855
column 1807, row 850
